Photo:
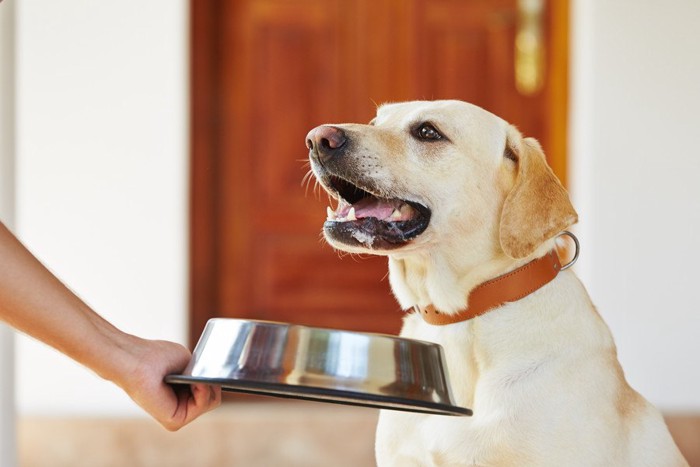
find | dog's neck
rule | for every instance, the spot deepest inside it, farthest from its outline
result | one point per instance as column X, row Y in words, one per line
column 444, row 280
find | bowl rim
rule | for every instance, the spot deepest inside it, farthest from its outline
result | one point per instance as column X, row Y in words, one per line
column 317, row 392
column 322, row 328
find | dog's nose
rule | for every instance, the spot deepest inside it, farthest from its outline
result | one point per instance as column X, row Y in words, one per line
column 325, row 141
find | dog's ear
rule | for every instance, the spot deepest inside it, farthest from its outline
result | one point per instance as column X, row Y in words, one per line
column 538, row 206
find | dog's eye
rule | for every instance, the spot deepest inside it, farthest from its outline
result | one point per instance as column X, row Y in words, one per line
column 428, row 132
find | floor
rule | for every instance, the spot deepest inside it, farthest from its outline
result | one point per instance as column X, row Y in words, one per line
column 279, row 434
column 285, row 434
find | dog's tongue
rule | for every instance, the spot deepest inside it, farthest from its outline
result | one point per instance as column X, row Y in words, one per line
column 382, row 209
column 374, row 207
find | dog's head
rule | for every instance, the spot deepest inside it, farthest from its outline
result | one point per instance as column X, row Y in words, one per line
column 425, row 173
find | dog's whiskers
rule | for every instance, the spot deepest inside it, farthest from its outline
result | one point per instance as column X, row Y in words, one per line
column 317, row 188
column 306, row 181
column 385, row 277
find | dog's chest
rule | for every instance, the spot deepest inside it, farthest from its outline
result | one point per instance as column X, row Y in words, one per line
column 434, row 440
column 457, row 342
column 479, row 381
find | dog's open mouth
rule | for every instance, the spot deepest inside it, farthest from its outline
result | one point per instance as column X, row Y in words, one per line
column 365, row 219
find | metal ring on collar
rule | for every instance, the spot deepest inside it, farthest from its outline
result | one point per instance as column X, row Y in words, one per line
column 578, row 247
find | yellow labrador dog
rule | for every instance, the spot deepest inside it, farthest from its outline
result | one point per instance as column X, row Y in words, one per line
column 467, row 211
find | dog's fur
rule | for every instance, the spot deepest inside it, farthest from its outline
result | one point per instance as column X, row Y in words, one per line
column 541, row 374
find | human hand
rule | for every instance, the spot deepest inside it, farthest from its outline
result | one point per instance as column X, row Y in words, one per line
column 35, row 302
column 172, row 406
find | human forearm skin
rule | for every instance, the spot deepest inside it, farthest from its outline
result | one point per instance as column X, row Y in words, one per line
column 35, row 302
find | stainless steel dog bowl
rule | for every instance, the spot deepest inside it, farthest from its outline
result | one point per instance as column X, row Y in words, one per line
column 324, row 365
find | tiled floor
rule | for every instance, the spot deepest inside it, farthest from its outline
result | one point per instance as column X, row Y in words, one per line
column 267, row 434
column 285, row 434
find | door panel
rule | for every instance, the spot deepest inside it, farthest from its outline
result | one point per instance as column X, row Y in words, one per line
column 267, row 71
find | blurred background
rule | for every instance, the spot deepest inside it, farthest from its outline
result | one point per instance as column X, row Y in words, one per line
column 152, row 156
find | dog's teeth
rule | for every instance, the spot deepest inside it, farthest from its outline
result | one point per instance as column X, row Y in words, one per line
column 351, row 215
column 331, row 214
column 396, row 214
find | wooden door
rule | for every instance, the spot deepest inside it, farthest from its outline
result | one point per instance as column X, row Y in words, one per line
column 267, row 71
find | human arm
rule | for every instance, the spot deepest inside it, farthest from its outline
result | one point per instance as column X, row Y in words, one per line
column 35, row 302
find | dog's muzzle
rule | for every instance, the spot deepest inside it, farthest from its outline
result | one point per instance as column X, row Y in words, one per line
column 365, row 217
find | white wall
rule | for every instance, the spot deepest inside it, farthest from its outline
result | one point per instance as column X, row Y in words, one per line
column 101, row 183
column 102, row 177
column 7, row 202
column 636, row 177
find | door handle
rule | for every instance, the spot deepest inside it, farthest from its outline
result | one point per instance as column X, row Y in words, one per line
column 529, row 47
